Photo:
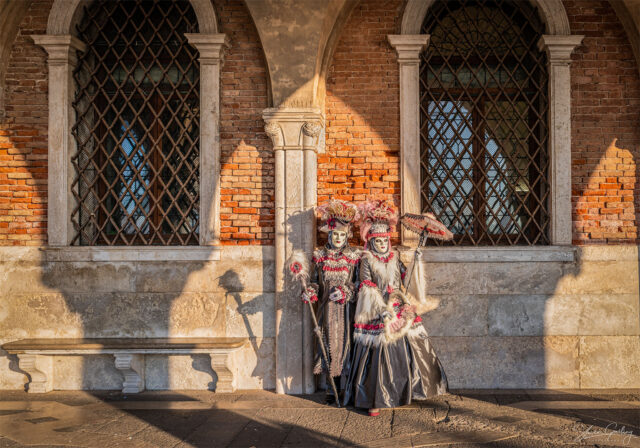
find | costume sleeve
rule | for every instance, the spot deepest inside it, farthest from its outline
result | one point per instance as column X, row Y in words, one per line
column 403, row 272
column 314, row 277
column 370, row 302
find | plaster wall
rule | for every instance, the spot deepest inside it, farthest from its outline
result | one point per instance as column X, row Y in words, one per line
column 541, row 318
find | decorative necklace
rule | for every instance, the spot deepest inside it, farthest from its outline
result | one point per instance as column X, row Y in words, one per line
column 384, row 259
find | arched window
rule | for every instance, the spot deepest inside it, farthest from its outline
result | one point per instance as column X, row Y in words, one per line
column 484, row 133
column 137, row 130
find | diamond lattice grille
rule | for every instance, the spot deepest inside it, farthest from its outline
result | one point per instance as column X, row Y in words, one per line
column 137, row 125
column 484, row 133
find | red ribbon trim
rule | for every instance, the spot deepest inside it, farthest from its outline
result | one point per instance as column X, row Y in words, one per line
column 342, row 258
column 383, row 259
column 368, row 326
column 339, row 268
column 368, row 283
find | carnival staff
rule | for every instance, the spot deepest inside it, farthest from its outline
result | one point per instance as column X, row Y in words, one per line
column 392, row 359
column 333, row 280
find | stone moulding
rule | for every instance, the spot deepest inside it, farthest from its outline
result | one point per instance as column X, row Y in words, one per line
column 135, row 253
column 496, row 254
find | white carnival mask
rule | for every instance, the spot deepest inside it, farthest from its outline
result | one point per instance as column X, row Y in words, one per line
column 380, row 244
column 338, row 238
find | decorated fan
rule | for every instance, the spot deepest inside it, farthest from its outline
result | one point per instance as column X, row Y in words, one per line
column 426, row 226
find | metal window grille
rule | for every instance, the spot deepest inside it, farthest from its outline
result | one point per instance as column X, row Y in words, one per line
column 484, row 129
column 137, row 109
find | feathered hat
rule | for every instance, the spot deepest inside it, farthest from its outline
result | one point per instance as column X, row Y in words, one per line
column 337, row 215
column 377, row 218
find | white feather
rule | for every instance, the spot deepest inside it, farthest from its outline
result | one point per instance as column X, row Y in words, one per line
column 299, row 257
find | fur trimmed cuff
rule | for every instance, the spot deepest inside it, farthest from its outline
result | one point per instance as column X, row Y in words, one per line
column 370, row 302
column 311, row 294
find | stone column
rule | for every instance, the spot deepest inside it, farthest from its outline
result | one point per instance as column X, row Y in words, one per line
column 211, row 48
column 62, row 51
column 295, row 133
column 559, row 49
column 408, row 47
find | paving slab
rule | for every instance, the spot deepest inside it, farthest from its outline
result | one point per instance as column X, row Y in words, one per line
column 181, row 419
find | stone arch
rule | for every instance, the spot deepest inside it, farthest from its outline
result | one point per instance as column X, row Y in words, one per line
column 558, row 44
column 552, row 13
column 65, row 14
column 62, row 46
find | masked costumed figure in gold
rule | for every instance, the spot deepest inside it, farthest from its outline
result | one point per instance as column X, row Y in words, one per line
column 332, row 289
column 393, row 362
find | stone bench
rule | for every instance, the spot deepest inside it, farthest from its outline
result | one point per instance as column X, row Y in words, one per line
column 35, row 357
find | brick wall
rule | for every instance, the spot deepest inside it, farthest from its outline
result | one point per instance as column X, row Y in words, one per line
column 247, row 177
column 362, row 109
column 362, row 118
column 247, row 162
column 605, row 103
column 23, row 137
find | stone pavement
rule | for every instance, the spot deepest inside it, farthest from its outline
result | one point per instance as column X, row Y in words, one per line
column 514, row 418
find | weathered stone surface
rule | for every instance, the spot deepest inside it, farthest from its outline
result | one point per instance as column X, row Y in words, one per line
column 515, row 315
column 89, row 277
column 178, row 372
column 255, row 363
column 97, row 372
column 507, row 362
column 198, row 314
column 494, row 278
column 499, row 324
column 607, row 361
column 592, row 314
column 229, row 275
column 463, row 315
column 250, row 315
column 561, row 365
column 598, row 277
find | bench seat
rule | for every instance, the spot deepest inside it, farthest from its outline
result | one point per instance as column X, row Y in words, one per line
column 35, row 357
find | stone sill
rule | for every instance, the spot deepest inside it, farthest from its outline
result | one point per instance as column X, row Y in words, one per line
column 495, row 254
column 38, row 254
column 132, row 253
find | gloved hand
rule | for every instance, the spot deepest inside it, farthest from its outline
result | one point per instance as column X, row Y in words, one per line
column 309, row 295
column 337, row 295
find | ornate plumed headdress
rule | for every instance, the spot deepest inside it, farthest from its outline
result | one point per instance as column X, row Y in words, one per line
column 377, row 218
column 337, row 215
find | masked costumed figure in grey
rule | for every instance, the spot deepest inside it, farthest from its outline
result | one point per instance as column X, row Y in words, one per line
column 393, row 362
column 332, row 289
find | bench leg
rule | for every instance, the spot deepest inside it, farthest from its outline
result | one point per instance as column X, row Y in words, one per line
column 132, row 368
column 40, row 369
column 226, row 378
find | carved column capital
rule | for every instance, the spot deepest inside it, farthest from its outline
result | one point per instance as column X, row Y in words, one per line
column 210, row 46
column 559, row 48
column 409, row 46
column 294, row 128
column 61, row 49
